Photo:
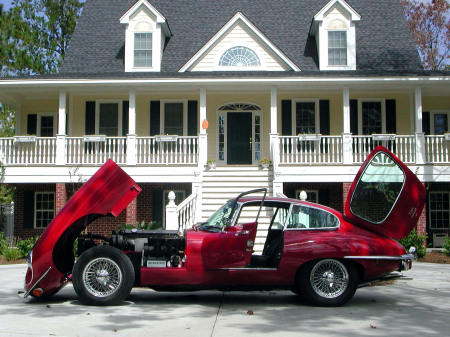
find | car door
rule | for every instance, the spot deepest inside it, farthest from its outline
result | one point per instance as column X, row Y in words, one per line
column 385, row 197
column 230, row 248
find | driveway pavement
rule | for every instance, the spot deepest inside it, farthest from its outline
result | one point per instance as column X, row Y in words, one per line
column 417, row 307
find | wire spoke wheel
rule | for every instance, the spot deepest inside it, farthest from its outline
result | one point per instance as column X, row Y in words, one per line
column 329, row 278
column 102, row 277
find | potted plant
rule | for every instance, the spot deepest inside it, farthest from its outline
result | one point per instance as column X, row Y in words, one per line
column 265, row 162
column 211, row 163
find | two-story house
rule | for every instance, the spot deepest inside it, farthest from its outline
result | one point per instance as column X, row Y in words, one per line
column 162, row 86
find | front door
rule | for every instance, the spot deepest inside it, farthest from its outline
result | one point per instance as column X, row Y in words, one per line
column 239, row 138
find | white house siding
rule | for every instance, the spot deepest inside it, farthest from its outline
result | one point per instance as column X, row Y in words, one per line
column 238, row 36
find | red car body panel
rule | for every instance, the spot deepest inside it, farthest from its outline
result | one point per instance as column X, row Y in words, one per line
column 221, row 258
column 107, row 192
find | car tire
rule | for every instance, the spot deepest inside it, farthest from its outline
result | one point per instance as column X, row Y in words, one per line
column 103, row 275
column 328, row 282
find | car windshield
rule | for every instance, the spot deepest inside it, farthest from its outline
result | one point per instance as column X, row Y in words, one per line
column 219, row 219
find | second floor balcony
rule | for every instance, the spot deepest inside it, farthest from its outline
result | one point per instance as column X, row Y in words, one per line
column 191, row 150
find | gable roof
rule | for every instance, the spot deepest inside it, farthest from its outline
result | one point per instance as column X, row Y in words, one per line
column 238, row 18
column 383, row 40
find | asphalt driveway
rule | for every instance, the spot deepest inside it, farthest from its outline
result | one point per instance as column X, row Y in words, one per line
column 420, row 306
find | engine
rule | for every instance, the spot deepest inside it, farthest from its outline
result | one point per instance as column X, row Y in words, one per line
column 146, row 248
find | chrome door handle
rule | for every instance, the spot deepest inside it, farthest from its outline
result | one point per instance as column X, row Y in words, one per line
column 242, row 233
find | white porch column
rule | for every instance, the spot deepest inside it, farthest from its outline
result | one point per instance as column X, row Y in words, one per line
column 273, row 111
column 131, row 136
column 61, row 135
column 171, row 213
column 420, row 136
column 347, row 155
column 202, row 115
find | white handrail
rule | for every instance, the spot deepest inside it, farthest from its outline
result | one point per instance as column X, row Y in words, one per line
column 186, row 212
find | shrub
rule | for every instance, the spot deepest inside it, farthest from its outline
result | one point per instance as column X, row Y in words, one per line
column 152, row 225
column 11, row 254
column 415, row 240
column 24, row 246
column 446, row 246
column 3, row 244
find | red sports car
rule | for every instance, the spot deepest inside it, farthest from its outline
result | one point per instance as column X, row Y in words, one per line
column 313, row 250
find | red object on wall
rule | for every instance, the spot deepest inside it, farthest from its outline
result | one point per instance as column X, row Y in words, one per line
column 205, row 124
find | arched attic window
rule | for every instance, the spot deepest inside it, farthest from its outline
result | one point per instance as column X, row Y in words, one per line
column 239, row 57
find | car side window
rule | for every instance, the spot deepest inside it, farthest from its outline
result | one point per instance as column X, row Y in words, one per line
column 309, row 218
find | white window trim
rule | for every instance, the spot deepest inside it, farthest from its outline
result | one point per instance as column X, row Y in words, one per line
column 97, row 115
column 44, row 114
column 225, row 114
column 430, row 210
column 185, row 113
column 294, row 111
column 383, row 113
column 438, row 112
column 35, row 208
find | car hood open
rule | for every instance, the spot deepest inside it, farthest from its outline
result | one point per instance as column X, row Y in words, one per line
column 107, row 192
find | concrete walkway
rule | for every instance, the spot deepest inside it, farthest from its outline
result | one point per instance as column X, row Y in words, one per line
column 417, row 307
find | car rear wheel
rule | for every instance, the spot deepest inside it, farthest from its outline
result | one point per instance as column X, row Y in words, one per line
column 103, row 275
column 328, row 282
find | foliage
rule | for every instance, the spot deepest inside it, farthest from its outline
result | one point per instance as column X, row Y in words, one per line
column 35, row 35
column 265, row 161
column 24, row 246
column 446, row 246
column 12, row 254
column 211, row 161
column 3, row 243
column 152, row 225
column 417, row 241
column 430, row 26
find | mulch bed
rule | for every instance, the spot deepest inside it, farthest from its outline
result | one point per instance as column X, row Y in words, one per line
column 435, row 257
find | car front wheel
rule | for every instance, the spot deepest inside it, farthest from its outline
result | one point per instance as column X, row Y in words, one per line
column 103, row 275
column 328, row 282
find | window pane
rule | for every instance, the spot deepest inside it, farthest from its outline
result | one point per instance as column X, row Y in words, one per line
column 337, row 48
column 239, row 57
column 439, row 210
column 44, row 209
column 371, row 118
column 47, row 126
column 378, row 189
column 305, row 117
column 173, row 119
column 109, row 119
column 308, row 217
column 142, row 49
column 440, row 124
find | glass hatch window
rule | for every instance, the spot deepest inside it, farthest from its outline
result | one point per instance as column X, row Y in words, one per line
column 378, row 189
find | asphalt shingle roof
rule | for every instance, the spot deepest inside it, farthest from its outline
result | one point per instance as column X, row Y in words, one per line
column 383, row 40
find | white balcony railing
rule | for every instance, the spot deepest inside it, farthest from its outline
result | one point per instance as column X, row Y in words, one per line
column 323, row 150
column 437, row 150
column 79, row 152
column 182, row 150
column 402, row 146
column 35, row 150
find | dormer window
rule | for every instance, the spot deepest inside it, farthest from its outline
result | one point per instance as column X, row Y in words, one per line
column 337, row 48
column 335, row 32
column 142, row 49
column 239, row 57
column 146, row 31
